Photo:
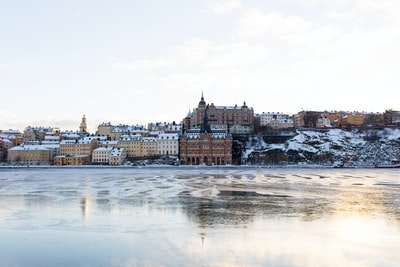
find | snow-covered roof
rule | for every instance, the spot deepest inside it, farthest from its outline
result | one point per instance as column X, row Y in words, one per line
column 109, row 143
column 168, row 136
column 132, row 137
column 51, row 137
column 5, row 140
column 103, row 149
column 117, row 152
column 28, row 147
column 149, row 139
column 72, row 156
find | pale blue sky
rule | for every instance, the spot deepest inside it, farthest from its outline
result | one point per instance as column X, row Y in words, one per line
column 140, row 61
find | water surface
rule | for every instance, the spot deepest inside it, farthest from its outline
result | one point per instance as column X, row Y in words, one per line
column 199, row 217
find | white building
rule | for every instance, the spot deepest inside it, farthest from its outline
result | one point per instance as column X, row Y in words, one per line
column 101, row 155
column 276, row 120
column 168, row 144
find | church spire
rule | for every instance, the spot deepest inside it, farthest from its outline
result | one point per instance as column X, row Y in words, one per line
column 205, row 126
column 202, row 103
column 83, row 125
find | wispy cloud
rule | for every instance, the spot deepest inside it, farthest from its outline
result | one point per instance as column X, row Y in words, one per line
column 223, row 6
column 143, row 64
column 8, row 66
column 208, row 55
column 255, row 23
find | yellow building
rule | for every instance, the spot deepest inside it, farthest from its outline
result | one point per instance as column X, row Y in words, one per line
column 131, row 144
column 101, row 155
column 83, row 146
column 149, row 147
column 105, row 129
column 117, row 156
column 356, row 119
column 29, row 154
column 72, row 160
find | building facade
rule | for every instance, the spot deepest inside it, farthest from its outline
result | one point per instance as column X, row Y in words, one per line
column 391, row 117
column 237, row 119
column 83, row 146
column 72, row 160
column 214, row 148
column 168, row 144
column 29, row 154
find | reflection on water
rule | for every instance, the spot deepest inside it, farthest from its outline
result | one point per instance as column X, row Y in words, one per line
column 199, row 217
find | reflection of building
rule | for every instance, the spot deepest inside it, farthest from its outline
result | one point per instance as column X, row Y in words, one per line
column 236, row 119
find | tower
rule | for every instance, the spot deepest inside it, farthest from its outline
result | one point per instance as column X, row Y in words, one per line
column 202, row 103
column 205, row 126
column 83, row 125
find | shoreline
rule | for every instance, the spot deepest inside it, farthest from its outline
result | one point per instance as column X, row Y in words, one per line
column 301, row 166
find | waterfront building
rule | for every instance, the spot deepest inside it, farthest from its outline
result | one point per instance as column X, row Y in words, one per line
column 29, row 154
column 117, row 156
column 101, row 155
column 167, row 144
column 148, row 146
column 4, row 143
column 131, row 144
column 205, row 145
column 72, row 160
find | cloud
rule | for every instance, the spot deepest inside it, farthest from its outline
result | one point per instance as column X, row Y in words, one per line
column 143, row 64
column 224, row 6
column 255, row 23
column 208, row 55
column 8, row 66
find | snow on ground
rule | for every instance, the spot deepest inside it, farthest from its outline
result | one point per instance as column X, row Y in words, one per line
column 355, row 148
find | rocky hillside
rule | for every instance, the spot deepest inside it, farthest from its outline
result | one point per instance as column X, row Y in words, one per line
column 331, row 147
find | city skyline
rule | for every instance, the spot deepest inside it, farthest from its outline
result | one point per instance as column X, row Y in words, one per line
column 135, row 62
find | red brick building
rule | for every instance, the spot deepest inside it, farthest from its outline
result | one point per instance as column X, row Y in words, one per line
column 235, row 119
column 3, row 150
column 204, row 145
column 206, row 148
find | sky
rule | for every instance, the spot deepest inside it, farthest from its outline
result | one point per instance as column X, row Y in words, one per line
column 135, row 62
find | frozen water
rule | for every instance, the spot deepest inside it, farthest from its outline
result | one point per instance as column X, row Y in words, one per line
column 199, row 217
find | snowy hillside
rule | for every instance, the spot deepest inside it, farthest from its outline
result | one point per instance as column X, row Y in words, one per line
column 333, row 147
